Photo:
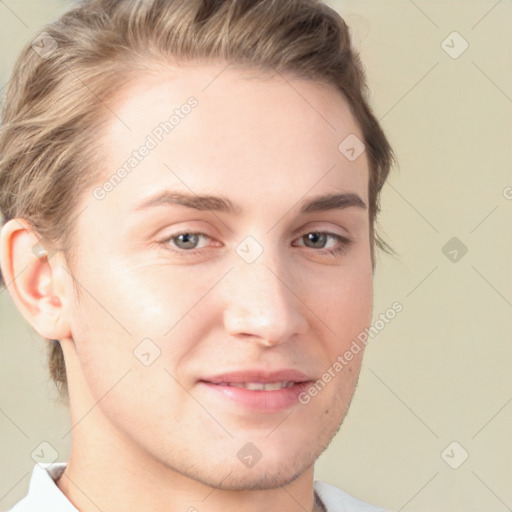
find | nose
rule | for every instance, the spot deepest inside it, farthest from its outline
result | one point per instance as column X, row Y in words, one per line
column 263, row 301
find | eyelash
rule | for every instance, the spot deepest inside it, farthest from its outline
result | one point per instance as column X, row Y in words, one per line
column 344, row 246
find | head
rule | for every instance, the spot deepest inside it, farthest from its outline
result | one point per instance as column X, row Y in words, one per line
column 248, row 101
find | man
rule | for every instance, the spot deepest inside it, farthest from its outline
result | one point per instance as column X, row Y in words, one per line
column 216, row 249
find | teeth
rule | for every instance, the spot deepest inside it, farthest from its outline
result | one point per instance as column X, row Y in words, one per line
column 260, row 386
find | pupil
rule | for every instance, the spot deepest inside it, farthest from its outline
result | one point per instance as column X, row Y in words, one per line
column 185, row 236
column 314, row 237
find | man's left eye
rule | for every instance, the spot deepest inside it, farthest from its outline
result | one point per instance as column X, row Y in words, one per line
column 322, row 236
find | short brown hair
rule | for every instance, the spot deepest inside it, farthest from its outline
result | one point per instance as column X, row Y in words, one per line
column 55, row 102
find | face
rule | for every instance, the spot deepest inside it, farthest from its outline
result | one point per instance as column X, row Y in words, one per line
column 203, row 327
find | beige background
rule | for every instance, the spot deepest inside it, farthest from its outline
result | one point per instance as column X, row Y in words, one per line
column 440, row 371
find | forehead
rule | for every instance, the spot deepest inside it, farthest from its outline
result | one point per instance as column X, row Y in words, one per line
column 247, row 132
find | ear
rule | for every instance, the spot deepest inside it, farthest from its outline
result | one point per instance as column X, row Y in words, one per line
column 35, row 279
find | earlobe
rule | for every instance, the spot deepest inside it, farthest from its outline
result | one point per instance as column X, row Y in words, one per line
column 28, row 267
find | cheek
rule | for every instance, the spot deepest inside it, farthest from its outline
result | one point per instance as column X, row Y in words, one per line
column 128, row 318
column 124, row 373
column 348, row 300
column 98, row 339
column 120, row 302
column 346, row 308
column 153, row 299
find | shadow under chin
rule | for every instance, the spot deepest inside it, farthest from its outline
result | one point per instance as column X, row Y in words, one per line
column 262, row 480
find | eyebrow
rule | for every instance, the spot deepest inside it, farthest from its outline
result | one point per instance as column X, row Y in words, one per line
column 222, row 204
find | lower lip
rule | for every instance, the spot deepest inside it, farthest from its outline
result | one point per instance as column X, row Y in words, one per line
column 260, row 400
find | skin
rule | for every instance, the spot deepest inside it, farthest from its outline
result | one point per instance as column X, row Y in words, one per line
column 149, row 437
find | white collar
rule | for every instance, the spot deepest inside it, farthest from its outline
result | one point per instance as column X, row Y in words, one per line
column 43, row 494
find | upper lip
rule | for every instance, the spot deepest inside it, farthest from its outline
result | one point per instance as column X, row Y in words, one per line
column 263, row 376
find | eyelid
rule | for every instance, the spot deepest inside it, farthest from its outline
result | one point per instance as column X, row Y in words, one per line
column 344, row 242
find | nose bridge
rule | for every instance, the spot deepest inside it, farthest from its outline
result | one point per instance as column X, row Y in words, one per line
column 259, row 301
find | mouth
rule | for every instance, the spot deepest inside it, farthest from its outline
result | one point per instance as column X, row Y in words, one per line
column 259, row 391
column 259, row 386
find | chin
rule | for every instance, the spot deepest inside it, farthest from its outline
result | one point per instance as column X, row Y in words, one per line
column 276, row 468
column 256, row 478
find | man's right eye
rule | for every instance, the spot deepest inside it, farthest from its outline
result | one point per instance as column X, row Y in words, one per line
column 185, row 241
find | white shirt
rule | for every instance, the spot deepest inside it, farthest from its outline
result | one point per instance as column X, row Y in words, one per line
column 45, row 496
